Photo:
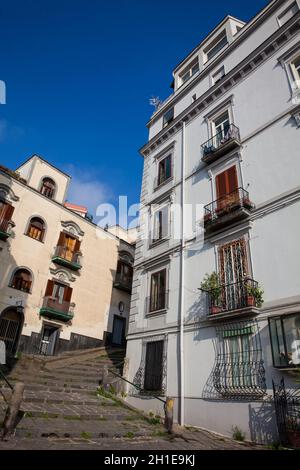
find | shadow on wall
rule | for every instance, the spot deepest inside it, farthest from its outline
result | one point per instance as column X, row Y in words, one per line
column 262, row 422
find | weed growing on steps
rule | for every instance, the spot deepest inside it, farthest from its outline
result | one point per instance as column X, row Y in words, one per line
column 129, row 435
column 85, row 435
column 238, row 434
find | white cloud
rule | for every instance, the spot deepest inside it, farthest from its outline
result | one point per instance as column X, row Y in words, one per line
column 86, row 189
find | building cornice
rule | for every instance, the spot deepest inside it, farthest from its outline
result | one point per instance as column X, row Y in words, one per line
column 254, row 60
column 243, row 34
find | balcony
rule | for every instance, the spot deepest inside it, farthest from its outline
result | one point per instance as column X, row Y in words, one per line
column 220, row 144
column 67, row 258
column 55, row 309
column 232, row 207
column 123, row 282
column 233, row 300
column 5, row 226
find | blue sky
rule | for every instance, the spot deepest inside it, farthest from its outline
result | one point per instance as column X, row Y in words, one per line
column 79, row 76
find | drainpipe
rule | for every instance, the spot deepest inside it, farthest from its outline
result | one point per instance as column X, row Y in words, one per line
column 182, row 278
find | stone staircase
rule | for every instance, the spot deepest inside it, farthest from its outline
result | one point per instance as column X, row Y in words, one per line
column 62, row 398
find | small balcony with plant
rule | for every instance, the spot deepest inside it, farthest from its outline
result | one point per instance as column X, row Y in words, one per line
column 223, row 142
column 228, row 209
column 67, row 258
column 56, row 309
column 244, row 297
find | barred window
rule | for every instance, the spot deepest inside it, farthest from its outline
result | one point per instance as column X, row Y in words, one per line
column 239, row 370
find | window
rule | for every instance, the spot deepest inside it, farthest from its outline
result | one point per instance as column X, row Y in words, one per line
column 124, row 273
column 239, row 369
column 168, row 117
column 67, row 247
column 221, row 127
column 36, row 229
column 160, row 224
column 48, row 188
column 226, row 187
column 295, row 68
column 21, row 280
column 154, row 366
column 218, row 75
column 216, row 46
column 58, row 292
column 158, row 291
column 6, row 212
column 288, row 13
column 285, row 340
column 164, row 170
column 189, row 71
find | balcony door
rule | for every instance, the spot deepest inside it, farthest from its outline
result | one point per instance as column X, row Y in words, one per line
column 221, row 127
column 68, row 246
column 233, row 268
column 226, row 187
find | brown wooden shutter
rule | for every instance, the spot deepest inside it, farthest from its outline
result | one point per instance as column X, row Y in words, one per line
column 232, row 181
column 49, row 288
column 61, row 239
column 68, row 294
column 119, row 267
column 221, row 184
column 77, row 246
column 9, row 210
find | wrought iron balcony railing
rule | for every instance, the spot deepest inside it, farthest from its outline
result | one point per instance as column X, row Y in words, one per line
column 235, row 296
column 66, row 257
column 231, row 135
column 157, row 303
column 123, row 282
column 237, row 199
column 57, row 309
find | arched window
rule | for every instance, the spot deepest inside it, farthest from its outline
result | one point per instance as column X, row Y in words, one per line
column 21, row 280
column 48, row 187
column 36, row 229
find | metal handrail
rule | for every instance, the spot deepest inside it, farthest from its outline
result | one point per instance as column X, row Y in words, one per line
column 6, row 379
column 220, row 138
column 236, row 198
column 134, row 385
column 65, row 253
column 227, row 297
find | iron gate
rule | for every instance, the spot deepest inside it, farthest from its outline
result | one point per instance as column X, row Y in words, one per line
column 287, row 408
column 9, row 330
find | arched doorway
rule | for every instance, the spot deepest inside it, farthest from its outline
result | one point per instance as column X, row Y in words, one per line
column 11, row 323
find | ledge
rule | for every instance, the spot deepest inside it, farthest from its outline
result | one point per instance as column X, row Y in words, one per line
column 67, row 264
column 222, row 150
column 241, row 312
column 222, row 221
column 51, row 313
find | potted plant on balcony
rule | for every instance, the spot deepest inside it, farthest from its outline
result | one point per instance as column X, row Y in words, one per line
column 247, row 203
column 207, row 217
column 293, row 431
column 254, row 295
column 211, row 285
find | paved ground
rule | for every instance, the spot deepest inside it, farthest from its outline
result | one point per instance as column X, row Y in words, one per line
column 198, row 440
column 62, row 409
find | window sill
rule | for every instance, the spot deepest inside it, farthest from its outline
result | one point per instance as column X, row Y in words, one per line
column 156, row 312
column 164, row 183
column 19, row 290
column 155, row 243
column 35, row 239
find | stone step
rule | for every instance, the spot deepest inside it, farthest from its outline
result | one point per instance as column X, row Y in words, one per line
column 62, row 428
column 53, row 378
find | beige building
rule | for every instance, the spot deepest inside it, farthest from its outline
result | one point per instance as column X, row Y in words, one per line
column 65, row 283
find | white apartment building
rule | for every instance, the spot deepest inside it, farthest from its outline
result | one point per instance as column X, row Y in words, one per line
column 65, row 283
column 221, row 319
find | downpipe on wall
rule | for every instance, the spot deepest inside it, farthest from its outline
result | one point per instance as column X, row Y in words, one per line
column 182, row 375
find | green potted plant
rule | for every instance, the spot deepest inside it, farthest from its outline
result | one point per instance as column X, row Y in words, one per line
column 293, row 431
column 254, row 295
column 211, row 284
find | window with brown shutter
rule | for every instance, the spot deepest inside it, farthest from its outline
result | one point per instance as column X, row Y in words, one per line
column 6, row 212
column 227, row 186
column 21, row 280
column 68, row 294
column 36, row 229
column 49, row 288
